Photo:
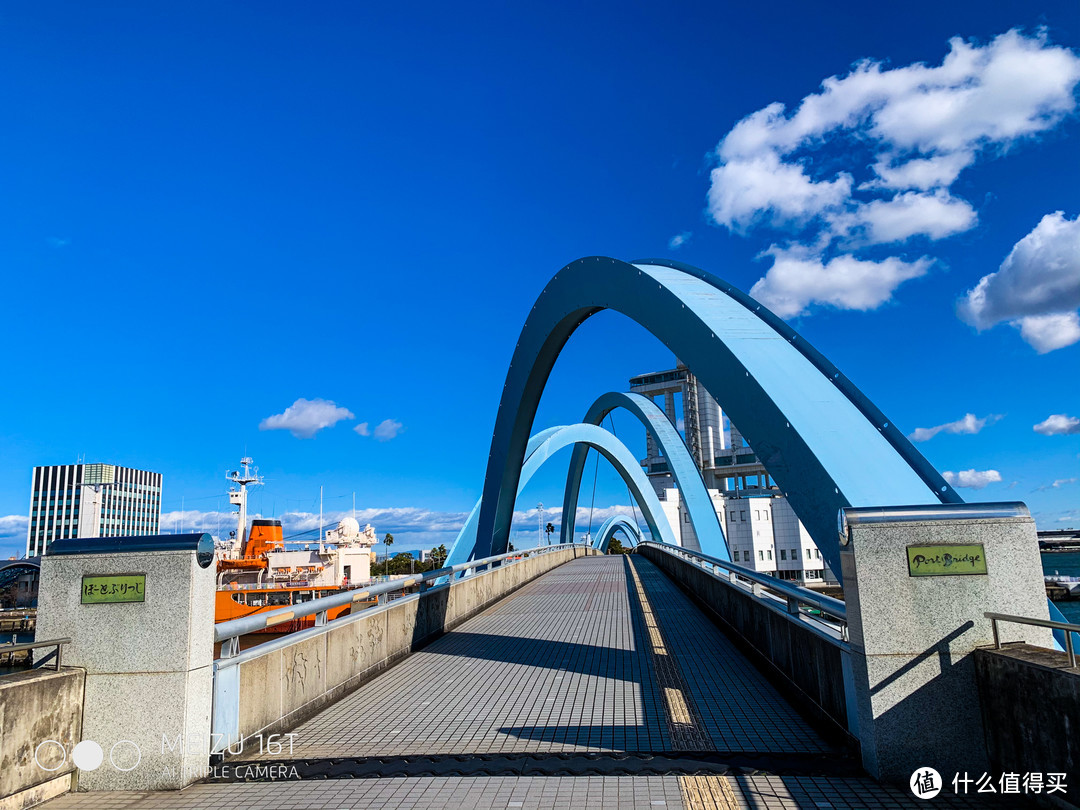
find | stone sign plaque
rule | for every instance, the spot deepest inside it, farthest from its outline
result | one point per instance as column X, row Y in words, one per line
column 111, row 588
column 946, row 561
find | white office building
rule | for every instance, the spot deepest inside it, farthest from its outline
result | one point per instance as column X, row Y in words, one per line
column 91, row 500
column 759, row 523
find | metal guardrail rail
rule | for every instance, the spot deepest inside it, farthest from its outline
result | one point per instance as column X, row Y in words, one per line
column 229, row 632
column 1066, row 626
column 6, row 649
column 795, row 596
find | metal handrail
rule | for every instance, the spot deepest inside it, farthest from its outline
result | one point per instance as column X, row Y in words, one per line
column 30, row 645
column 231, row 630
column 794, row 595
column 1066, row 626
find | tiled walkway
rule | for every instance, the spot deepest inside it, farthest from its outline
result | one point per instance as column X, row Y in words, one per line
column 568, row 663
column 600, row 657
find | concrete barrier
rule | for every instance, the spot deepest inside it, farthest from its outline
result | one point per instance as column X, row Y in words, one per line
column 40, row 723
column 805, row 660
column 1030, row 702
column 274, row 687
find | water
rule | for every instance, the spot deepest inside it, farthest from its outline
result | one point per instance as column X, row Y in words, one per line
column 19, row 638
column 1067, row 564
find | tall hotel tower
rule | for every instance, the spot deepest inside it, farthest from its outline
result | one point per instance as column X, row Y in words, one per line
column 91, row 500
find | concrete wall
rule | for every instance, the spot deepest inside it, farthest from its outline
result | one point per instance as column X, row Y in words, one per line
column 282, row 688
column 810, row 666
column 36, row 706
column 1030, row 705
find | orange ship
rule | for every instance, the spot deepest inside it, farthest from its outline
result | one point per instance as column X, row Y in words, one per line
column 250, row 583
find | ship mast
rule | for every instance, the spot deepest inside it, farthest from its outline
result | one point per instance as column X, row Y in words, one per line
column 247, row 474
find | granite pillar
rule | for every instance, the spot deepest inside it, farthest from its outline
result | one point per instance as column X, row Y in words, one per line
column 148, row 663
column 917, row 581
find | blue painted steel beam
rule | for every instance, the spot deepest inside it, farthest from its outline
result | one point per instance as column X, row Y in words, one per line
column 550, row 441
column 817, row 436
column 695, row 497
column 616, row 523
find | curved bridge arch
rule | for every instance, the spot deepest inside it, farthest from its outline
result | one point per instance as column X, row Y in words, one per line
column 550, row 441
column 616, row 523
column 692, row 491
column 821, row 440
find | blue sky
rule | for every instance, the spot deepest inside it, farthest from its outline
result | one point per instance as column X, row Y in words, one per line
column 212, row 211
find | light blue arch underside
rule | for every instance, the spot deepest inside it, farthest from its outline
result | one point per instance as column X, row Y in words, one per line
column 542, row 447
column 616, row 523
column 709, row 534
column 813, row 433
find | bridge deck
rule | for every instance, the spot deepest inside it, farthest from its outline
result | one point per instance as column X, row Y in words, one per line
column 601, row 654
column 579, row 690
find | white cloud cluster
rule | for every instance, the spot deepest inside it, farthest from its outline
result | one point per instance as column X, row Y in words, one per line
column 1058, row 424
column 799, row 277
column 1036, row 289
column 1058, row 484
column 306, row 417
column 969, row 424
column 14, row 527
column 386, row 430
column 923, row 126
column 972, row 479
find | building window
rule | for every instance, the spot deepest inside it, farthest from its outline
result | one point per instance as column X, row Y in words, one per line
column 742, row 515
column 818, row 553
column 746, row 556
column 783, row 554
column 761, row 556
column 770, row 555
column 808, row 554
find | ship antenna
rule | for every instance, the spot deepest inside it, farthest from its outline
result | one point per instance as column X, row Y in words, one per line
column 247, row 474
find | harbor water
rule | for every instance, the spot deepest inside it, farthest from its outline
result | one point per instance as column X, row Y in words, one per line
column 1066, row 564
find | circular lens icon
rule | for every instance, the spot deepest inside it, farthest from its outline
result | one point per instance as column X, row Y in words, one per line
column 925, row 783
column 87, row 755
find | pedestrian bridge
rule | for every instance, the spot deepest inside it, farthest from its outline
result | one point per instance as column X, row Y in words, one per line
column 564, row 677
column 598, row 684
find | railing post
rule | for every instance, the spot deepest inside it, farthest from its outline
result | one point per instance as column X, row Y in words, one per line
column 1069, row 649
column 997, row 638
column 793, row 605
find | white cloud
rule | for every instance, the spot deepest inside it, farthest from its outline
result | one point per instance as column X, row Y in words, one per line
column 1058, row 484
column 387, row 429
column 935, row 215
column 972, row 479
column 969, row 424
column 765, row 189
column 416, row 526
column 921, row 125
column 13, row 536
column 306, row 417
column 363, row 429
column 678, row 240
column 1058, row 424
column 799, row 278
column 1036, row 288
column 1045, row 333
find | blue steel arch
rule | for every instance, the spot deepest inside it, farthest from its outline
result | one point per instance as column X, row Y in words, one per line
column 550, row 441
column 616, row 523
column 822, row 441
column 692, row 491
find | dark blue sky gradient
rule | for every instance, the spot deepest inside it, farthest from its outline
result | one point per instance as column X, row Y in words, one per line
column 208, row 210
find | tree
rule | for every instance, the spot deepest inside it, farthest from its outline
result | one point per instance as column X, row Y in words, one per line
column 615, row 546
column 438, row 557
column 387, row 541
